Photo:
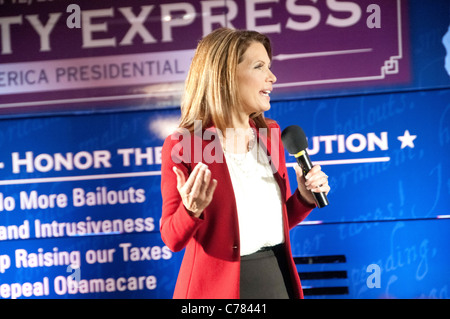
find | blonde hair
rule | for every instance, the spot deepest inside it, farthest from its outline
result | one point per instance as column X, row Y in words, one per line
column 211, row 92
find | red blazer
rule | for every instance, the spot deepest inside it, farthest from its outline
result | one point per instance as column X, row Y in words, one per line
column 211, row 263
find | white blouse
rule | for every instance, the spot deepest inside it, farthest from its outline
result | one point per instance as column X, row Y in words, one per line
column 258, row 200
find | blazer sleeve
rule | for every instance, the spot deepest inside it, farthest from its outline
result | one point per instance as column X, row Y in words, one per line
column 297, row 208
column 177, row 226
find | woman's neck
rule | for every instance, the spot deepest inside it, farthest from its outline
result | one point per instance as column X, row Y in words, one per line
column 241, row 121
column 238, row 138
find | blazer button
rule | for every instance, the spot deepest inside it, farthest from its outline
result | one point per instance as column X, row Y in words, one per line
column 235, row 247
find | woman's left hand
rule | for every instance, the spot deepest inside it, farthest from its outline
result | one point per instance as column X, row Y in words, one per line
column 315, row 181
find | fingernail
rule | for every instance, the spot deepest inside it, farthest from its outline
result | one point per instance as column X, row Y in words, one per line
column 308, row 176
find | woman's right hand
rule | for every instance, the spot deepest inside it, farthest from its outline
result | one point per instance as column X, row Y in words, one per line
column 197, row 192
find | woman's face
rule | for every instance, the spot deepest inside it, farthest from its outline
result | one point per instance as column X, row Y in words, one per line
column 255, row 79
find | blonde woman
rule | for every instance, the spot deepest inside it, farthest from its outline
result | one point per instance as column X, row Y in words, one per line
column 224, row 183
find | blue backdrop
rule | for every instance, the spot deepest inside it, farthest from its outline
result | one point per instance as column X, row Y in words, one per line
column 80, row 200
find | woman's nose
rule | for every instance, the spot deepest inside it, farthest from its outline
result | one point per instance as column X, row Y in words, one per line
column 272, row 78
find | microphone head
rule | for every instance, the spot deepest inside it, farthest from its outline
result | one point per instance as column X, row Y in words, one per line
column 294, row 139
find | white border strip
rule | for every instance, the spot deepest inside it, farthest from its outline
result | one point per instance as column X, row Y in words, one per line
column 156, row 173
column 77, row 178
column 348, row 161
column 282, row 56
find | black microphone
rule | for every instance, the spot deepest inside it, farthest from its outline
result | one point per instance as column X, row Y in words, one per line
column 294, row 140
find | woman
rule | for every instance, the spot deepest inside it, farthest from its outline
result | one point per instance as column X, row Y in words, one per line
column 233, row 215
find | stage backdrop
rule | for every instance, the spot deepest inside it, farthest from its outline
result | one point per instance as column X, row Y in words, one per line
column 88, row 98
column 60, row 55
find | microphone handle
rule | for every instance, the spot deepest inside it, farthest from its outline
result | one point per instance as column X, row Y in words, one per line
column 305, row 163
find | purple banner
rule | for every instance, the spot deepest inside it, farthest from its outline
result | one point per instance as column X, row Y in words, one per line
column 60, row 55
column 345, row 45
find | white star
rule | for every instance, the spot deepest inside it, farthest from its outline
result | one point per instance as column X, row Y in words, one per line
column 407, row 139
